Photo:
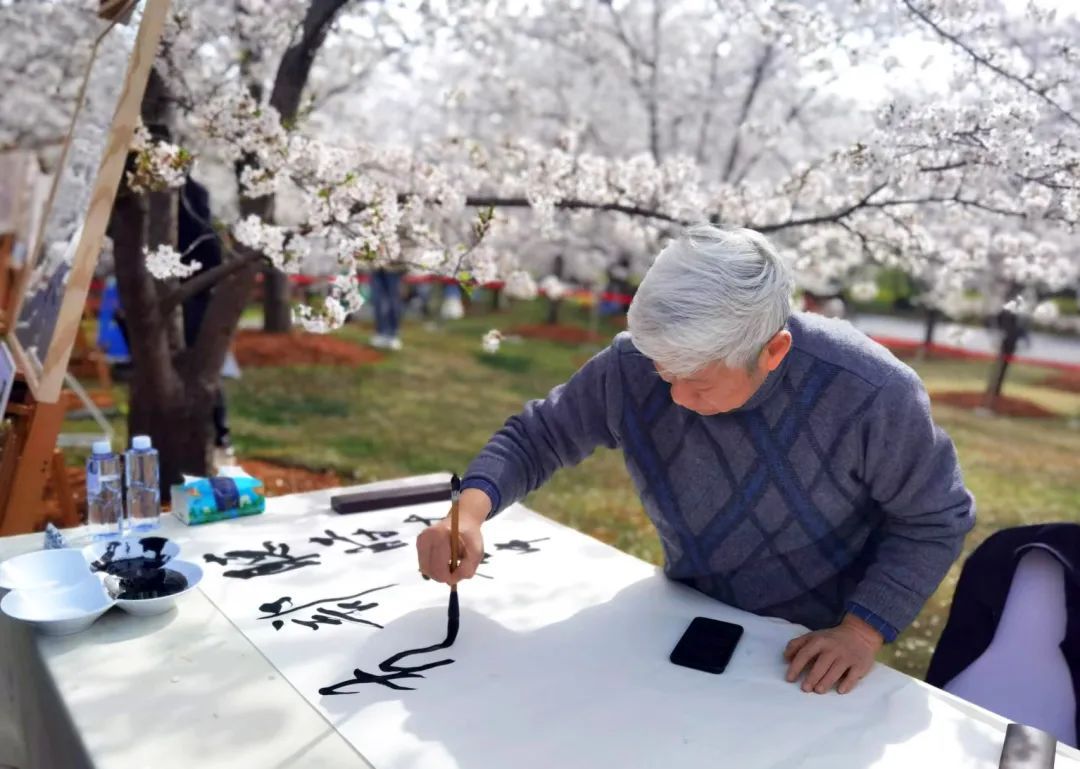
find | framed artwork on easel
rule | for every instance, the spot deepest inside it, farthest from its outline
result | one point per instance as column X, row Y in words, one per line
column 53, row 286
column 7, row 376
column 24, row 189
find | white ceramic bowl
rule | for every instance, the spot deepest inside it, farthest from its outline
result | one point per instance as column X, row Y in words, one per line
column 43, row 569
column 60, row 610
column 130, row 546
column 145, row 607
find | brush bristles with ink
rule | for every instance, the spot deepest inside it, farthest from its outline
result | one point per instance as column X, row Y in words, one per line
column 453, row 619
column 453, row 614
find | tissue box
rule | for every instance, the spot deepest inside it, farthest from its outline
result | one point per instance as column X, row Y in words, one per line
column 205, row 500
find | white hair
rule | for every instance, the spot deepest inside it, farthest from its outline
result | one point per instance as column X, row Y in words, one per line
column 711, row 296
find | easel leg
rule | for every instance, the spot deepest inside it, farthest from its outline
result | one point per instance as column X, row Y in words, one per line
column 24, row 505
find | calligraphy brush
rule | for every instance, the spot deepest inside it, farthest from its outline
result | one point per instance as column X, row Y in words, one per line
column 453, row 613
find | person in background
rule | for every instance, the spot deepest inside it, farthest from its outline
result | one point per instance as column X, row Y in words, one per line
column 198, row 242
column 387, row 305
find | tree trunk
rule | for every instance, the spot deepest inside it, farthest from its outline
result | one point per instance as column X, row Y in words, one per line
column 277, row 312
column 289, row 83
column 157, row 391
column 178, row 423
column 1012, row 330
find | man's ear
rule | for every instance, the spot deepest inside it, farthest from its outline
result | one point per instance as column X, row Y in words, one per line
column 776, row 349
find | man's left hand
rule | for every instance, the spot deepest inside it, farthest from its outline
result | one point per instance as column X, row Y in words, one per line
column 839, row 655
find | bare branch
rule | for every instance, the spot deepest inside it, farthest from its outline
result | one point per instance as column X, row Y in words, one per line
column 980, row 59
column 748, row 102
column 483, row 201
column 207, row 279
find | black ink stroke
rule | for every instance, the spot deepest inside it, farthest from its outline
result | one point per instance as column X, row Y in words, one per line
column 521, row 546
column 378, row 541
column 272, row 559
column 391, row 667
column 346, row 607
column 414, row 518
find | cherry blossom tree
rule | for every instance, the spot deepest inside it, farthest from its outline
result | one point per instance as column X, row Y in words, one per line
column 590, row 122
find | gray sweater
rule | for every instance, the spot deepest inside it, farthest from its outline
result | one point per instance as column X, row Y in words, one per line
column 830, row 491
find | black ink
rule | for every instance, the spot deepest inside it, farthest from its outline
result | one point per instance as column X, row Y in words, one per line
column 414, row 518
column 155, row 545
column 261, row 563
column 378, row 541
column 360, row 677
column 520, row 546
column 396, row 672
column 375, row 535
column 141, row 576
column 345, row 608
column 275, row 607
column 160, row 583
column 102, row 563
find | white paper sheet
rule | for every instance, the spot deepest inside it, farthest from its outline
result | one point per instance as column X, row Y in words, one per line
column 561, row 661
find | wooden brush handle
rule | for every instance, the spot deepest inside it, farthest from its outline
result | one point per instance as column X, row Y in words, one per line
column 453, row 536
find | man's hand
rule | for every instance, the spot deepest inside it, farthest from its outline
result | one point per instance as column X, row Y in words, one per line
column 841, row 654
column 433, row 544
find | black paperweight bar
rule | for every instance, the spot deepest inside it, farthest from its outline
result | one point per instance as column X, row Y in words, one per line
column 387, row 494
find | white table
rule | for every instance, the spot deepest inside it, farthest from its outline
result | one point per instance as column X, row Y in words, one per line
column 188, row 688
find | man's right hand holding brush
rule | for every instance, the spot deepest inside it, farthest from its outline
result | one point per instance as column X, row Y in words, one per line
column 433, row 544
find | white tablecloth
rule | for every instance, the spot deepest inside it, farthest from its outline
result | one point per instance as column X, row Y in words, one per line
column 188, row 688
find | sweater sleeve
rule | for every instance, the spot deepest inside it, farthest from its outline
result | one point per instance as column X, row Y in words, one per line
column 558, row 431
column 911, row 470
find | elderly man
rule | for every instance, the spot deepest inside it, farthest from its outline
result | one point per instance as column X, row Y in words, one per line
column 790, row 465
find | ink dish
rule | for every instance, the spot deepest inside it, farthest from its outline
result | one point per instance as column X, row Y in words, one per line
column 130, row 556
column 153, row 591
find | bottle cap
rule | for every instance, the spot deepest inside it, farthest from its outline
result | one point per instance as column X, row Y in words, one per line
column 140, row 442
column 102, row 447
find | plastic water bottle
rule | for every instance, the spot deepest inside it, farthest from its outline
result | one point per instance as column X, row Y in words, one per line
column 143, row 491
column 104, row 493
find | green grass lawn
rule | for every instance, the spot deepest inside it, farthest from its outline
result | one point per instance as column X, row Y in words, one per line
column 432, row 407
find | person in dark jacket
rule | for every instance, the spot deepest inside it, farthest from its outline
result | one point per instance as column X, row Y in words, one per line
column 198, row 242
column 1012, row 641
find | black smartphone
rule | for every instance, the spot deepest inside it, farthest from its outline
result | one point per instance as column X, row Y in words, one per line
column 707, row 645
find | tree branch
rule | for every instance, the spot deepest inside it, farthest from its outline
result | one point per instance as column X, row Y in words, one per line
column 484, row 201
column 710, row 105
column 748, row 102
column 980, row 59
column 832, row 218
column 207, row 279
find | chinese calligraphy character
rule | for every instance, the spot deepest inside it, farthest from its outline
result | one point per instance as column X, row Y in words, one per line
column 520, row 546
column 329, row 611
column 393, row 671
column 272, row 559
column 414, row 518
column 378, row 541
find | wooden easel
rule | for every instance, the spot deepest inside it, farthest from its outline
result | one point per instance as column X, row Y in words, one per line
column 28, row 460
column 28, row 457
column 36, row 410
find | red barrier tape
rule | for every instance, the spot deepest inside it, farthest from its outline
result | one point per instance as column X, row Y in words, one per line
column 948, row 351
